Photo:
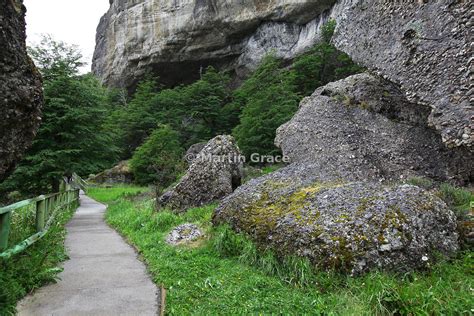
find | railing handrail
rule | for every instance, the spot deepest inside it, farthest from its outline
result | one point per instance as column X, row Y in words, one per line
column 79, row 182
column 17, row 205
column 46, row 208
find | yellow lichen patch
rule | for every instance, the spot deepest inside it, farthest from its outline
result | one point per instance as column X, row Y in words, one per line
column 364, row 204
column 394, row 218
column 262, row 217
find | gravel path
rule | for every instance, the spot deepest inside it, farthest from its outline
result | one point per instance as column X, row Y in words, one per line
column 102, row 277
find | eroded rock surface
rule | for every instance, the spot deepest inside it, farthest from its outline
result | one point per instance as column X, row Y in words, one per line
column 353, row 227
column 424, row 46
column 21, row 95
column 332, row 204
column 363, row 128
column 215, row 173
column 193, row 152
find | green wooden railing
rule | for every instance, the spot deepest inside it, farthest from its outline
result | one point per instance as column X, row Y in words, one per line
column 79, row 183
column 42, row 209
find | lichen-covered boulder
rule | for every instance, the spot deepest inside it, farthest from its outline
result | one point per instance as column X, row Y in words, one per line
column 215, row 173
column 353, row 227
column 21, row 94
column 363, row 128
column 120, row 173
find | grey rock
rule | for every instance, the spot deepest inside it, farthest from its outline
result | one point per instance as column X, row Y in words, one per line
column 184, row 233
column 363, row 128
column 352, row 227
column 424, row 46
column 193, row 152
column 177, row 39
column 215, row 173
column 21, row 94
column 120, row 173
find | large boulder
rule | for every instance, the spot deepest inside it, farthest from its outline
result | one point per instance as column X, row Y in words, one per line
column 118, row 174
column 353, row 227
column 337, row 203
column 215, row 173
column 363, row 128
column 21, row 94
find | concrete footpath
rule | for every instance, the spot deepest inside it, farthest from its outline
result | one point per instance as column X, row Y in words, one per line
column 102, row 277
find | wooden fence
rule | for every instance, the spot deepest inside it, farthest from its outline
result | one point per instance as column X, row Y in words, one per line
column 43, row 209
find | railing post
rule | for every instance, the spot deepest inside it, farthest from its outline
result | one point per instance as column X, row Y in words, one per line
column 47, row 207
column 62, row 186
column 4, row 230
column 40, row 215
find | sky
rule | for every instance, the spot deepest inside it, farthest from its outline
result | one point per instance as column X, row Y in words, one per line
column 73, row 22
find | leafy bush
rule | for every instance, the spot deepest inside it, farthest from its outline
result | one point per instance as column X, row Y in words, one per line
column 159, row 159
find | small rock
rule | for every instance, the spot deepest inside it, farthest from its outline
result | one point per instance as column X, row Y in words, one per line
column 183, row 234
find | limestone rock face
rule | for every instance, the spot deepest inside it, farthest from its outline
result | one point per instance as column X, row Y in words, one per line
column 21, row 95
column 353, row 227
column 176, row 39
column 363, row 128
column 215, row 173
column 424, row 46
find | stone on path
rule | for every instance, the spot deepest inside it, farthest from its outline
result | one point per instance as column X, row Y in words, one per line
column 102, row 277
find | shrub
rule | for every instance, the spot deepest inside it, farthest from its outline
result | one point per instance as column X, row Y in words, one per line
column 159, row 159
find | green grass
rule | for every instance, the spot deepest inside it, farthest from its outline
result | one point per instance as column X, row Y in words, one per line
column 112, row 193
column 33, row 268
column 226, row 274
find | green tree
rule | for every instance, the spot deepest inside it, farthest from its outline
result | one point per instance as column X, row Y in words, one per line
column 71, row 137
column 205, row 99
column 56, row 58
column 194, row 111
column 159, row 159
column 322, row 64
column 134, row 121
column 268, row 100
